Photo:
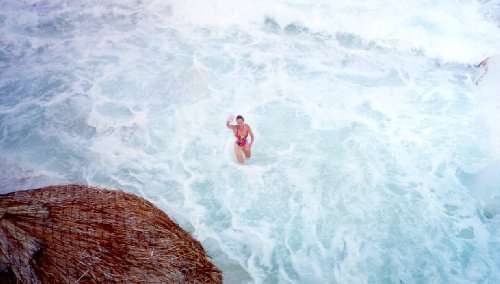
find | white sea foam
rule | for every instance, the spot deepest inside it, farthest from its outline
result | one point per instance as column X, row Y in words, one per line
column 485, row 181
column 375, row 157
column 443, row 30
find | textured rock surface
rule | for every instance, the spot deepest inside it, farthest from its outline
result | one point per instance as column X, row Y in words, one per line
column 75, row 233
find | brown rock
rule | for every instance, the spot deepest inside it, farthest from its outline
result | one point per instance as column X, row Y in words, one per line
column 81, row 234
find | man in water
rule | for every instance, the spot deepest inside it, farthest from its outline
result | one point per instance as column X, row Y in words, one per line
column 241, row 130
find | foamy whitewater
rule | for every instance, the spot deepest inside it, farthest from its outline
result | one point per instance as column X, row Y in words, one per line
column 376, row 157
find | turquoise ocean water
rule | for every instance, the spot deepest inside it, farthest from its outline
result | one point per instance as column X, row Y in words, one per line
column 377, row 150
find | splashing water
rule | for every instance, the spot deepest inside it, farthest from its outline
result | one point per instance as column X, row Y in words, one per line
column 375, row 157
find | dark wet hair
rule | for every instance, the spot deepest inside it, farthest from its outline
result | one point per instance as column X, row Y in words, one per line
column 240, row 117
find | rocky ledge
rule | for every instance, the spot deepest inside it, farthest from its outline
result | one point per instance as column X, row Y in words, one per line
column 82, row 234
